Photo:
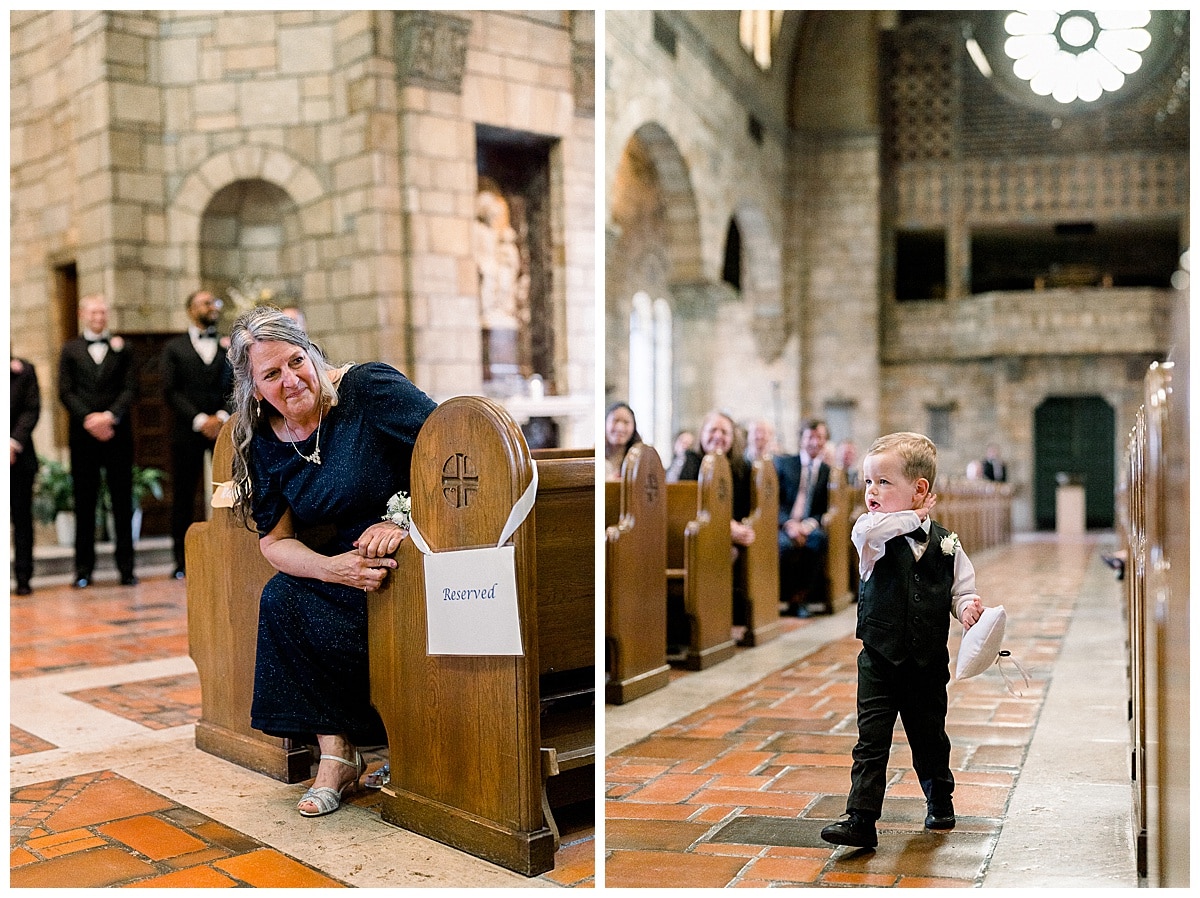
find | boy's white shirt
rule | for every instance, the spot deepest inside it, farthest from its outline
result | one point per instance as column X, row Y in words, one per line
column 873, row 529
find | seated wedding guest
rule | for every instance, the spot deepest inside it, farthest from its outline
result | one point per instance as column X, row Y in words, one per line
column 803, row 502
column 684, row 440
column 718, row 434
column 620, row 433
column 318, row 445
column 760, row 440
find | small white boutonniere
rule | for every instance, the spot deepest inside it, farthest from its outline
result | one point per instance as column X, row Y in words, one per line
column 950, row 544
column 116, row 344
column 399, row 510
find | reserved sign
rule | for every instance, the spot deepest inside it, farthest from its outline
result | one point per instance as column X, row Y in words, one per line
column 471, row 602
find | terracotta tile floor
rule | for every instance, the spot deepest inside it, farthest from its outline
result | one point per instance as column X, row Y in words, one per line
column 736, row 794
column 99, row 828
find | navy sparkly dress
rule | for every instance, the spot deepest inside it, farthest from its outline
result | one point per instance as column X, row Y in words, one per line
column 311, row 672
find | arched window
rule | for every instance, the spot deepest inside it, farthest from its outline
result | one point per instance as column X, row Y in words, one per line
column 757, row 30
column 650, row 387
column 731, row 271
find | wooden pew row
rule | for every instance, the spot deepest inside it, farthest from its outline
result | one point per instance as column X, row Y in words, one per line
column 635, row 578
column 1153, row 528
column 700, row 561
column 226, row 575
column 841, row 559
column 759, row 570
column 979, row 511
column 475, row 738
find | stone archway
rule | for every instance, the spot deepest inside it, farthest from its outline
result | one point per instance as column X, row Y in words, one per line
column 310, row 221
column 249, row 243
column 653, row 250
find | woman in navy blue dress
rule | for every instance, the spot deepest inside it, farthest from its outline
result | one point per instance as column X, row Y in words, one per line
column 318, row 449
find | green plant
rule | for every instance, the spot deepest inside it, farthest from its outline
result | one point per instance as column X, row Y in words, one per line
column 146, row 481
column 53, row 490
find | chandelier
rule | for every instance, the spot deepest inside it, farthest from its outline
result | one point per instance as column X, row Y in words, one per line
column 1076, row 54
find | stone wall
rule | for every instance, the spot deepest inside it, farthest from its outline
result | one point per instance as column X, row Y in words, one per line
column 126, row 125
column 679, row 124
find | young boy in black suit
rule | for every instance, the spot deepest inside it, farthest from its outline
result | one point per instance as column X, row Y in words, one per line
column 914, row 575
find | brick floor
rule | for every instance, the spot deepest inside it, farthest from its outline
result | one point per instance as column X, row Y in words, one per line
column 736, row 794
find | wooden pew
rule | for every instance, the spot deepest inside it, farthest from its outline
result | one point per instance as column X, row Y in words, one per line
column 700, row 562
column 226, row 575
column 635, row 578
column 1154, row 531
column 841, row 558
column 760, row 568
column 474, row 739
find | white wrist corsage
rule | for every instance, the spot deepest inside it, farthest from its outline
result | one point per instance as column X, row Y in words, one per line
column 950, row 544
column 399, row 510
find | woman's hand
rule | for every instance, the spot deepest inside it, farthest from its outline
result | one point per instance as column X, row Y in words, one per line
column 352, row 569
column 380, row 540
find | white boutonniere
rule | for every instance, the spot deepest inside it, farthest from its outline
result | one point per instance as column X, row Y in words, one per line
column 399, row 510
column 950, row 544
column 116, row 344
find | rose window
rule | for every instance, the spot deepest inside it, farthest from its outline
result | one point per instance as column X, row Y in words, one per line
column 1076, row 54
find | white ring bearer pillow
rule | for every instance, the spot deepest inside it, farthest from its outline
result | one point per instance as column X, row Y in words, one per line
column 980, row 647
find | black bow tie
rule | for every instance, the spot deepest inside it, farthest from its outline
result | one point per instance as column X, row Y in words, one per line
column 92, row 342
column 921, row 535
column 209, row 334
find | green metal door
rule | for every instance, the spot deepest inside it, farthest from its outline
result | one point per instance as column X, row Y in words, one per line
column 1074, row 436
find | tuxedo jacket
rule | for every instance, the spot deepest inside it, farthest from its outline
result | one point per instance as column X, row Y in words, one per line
column 25, row 407
column 192, row 387
column 85, row 387
column 788, row 468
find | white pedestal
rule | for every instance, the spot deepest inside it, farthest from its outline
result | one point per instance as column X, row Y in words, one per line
column 1070, row 518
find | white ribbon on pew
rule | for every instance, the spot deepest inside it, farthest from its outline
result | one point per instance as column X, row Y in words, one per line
column 516, row 517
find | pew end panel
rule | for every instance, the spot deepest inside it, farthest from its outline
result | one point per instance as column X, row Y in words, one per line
column 760, row 569
column 708, row 567
column 636, row 580
column 473, row 737
column 226, row 574
column 841, row 557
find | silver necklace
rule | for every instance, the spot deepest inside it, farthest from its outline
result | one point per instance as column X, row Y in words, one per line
column 315, row 458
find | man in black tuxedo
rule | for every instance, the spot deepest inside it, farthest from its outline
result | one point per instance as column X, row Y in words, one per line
column 197, row 382
column 993, row 465
column 803, row 502
column 25, row 407
column 97, row 384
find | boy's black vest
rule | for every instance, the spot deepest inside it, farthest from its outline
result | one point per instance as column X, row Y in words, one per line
column 904, row 609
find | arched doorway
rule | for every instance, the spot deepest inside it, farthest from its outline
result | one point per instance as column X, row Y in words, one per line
column 1074, row 436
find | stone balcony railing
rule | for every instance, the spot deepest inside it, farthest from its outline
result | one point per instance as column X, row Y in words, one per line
column 1066, row 321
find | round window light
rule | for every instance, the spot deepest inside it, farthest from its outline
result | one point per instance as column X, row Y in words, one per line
column 1076, row 54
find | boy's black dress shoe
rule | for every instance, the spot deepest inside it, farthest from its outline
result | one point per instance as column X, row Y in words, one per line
column 851, row 829
column 129, row 580
column 939, row 818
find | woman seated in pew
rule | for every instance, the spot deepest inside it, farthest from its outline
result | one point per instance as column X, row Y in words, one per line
column 318, row 447
column 719, row 434
column 620, row 434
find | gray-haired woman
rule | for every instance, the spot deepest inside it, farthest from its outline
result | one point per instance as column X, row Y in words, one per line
column 317, row 446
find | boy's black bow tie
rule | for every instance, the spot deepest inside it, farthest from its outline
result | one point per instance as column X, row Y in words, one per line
column 209, row 332
column 91, row 341
column 921, row 535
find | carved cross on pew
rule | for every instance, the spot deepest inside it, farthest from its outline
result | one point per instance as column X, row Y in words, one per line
column 460, row 480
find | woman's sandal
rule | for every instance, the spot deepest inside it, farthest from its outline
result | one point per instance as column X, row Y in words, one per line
column 327, row 799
